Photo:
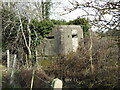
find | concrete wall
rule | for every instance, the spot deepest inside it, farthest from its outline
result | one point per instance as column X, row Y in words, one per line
column 62, row 40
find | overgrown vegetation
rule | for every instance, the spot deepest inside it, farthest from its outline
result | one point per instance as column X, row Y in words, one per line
column 32, row 33
column 22, row 33
column 23, row 79
column 75, row 70
column 22, row 37
column 84, row 23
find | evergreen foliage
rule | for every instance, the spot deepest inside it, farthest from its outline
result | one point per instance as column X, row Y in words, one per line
column 85, row 25
column 42, row 29
column 59, row 22
column 82, row 22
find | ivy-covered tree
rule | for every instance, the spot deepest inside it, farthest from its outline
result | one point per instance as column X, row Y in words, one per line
column 39, row 30
column 46, row 7
column 21, row 35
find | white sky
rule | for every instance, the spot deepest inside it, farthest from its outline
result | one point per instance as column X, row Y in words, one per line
column 58, row 10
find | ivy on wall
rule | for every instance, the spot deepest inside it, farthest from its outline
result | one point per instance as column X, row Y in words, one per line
column 41, row 29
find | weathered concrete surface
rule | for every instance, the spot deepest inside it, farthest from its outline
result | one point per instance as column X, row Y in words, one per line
column 62, row 40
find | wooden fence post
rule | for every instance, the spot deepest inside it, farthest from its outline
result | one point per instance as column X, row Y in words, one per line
column 8, row 60
column 32, row 80
column 13, row 69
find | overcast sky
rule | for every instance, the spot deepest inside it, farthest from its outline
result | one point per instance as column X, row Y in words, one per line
column 58, row 9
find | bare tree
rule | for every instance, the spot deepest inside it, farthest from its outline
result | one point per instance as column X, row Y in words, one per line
column 105, row 15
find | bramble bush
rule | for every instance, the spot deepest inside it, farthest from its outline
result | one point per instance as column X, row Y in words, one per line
column 74, row 69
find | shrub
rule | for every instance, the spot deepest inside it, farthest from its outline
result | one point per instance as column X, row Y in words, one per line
column 22, row 79
column 74, row 69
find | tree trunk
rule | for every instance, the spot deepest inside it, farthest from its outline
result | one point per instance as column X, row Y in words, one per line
column 90, row 52
column 28, row 48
